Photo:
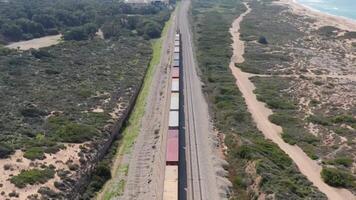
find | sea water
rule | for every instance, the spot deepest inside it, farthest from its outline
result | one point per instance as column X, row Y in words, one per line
column 344, row 8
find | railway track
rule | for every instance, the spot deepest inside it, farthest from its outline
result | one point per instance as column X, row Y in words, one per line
column 195, row 177
column 195, row 183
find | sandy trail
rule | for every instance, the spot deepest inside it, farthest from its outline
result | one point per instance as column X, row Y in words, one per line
column 349, row 77
column 36, row 43
column 260, row 114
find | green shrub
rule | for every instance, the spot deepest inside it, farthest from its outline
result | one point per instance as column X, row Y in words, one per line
column 283, row 119
column 337, row 178
column 34, row 153
column 32, row 176
column 5, row 150
column 319, row 120
column 75, row 133
column 290, row 139
column 328, row 31
column 344, row 119
column 344, row 161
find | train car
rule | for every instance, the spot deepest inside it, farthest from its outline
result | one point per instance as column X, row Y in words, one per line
column 177, row 43
column 173, row 119
column 171, row 180
column 175, row 63
column 177, row 37
column 175, row 72
column 174, row 101
column 172, row 150
column 170, row 191
column 175, row 85
column 176, row 56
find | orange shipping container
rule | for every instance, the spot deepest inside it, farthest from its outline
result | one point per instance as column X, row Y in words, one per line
column 171, row 183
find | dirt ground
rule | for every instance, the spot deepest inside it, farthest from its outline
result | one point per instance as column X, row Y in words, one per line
column 36, row 43
column 17, row 162
column 260, row 114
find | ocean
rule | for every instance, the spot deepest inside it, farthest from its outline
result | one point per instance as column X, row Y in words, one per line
column 344, row 8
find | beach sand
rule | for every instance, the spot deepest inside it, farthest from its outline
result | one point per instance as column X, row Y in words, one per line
column 322, row 19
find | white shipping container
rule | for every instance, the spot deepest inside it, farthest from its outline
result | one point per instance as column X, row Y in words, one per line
column 174, row 101
column 176, row 56
column 176, row 63
column 173, row 119
column 176, row 49
column 170, row 190
column 175, row 85
column 176, row 43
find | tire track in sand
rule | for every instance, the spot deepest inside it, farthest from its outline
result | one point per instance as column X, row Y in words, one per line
column 260, row 114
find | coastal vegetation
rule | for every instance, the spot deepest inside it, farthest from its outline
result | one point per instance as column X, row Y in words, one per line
column 299, row 91
column 71, row 96
column 272, row 91
column 77, row 20
column 33, row 176
column 253, row 160
column 115, row 187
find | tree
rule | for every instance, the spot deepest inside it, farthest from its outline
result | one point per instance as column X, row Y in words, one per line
column 91, row 29
column 11, row 31
column 77, row 33
column 152, row 29
column 131, row 22
column 111, row 29
column 30, row 27
column 47, row 21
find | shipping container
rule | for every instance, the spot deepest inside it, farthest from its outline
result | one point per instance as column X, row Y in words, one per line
column 172, row 149
column 175, row 63
column 175, row 85
column 176, row 49
column 170, row 191
column 176, row 56
column 173, row 119
column 175, row 72
column 177, row 37
column 176, row 43
column 174, row 101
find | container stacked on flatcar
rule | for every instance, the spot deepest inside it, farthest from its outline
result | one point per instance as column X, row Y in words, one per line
column 172, row 149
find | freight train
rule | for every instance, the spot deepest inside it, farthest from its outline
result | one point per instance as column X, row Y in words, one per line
column 171, row 181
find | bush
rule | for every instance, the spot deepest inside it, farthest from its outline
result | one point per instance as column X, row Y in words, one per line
column 262, row 40
column 344, row 119
column 152, row 29
column 319, row 120
column 76, row 133
column 344, row 161
column 41, row 53
column 5, row 150
column 337, row 178
column 32, row 176
column 34, row 153
column 77, row 33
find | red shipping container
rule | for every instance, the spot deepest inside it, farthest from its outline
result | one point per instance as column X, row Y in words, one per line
column 172, row 150
column 175, row 72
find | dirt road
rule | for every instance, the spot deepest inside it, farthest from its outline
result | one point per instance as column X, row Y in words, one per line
column 203, row 183
column 271, row 131
column 36, row 43
column 147, row 160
